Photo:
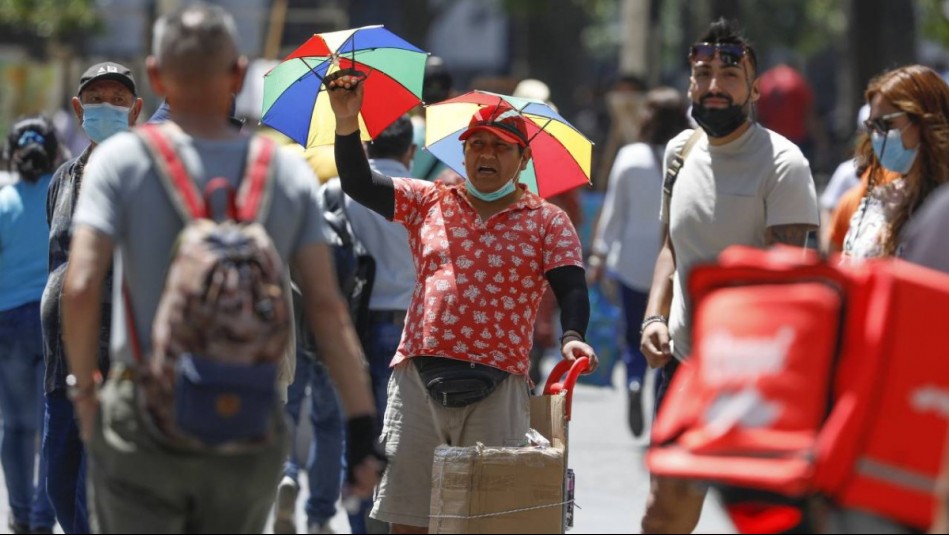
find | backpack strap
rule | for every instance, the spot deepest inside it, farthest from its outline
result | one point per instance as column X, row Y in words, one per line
column 255, row 190
column 134, row 342
column 672, row 173
column 183, row 192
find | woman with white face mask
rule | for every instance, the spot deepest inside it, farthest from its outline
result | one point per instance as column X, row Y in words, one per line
column 907, row 134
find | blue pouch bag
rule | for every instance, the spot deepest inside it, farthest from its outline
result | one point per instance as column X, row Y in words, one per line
column 218, row 403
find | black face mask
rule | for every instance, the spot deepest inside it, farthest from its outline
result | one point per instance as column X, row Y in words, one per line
column 32, row 162
column 719, row 122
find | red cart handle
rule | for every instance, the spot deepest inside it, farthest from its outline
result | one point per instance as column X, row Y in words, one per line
column 572, row 369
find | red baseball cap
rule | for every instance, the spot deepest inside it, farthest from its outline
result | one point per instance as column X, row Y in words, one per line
column 502, row 121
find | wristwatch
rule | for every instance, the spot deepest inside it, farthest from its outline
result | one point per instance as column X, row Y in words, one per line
column 77, row 393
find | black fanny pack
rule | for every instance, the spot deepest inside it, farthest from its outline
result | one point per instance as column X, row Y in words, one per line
column 456, row 383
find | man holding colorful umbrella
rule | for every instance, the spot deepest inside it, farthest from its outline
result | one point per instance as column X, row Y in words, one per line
column 485, row 251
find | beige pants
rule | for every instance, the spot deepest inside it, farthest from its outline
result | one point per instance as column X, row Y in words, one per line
column 138, row 485
column 415, row 425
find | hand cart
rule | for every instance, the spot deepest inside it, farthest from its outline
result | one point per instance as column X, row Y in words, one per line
column 527, row 489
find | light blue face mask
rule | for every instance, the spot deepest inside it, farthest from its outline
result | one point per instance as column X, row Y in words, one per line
column 504, row 190
column 891, row 152
column 100, row 121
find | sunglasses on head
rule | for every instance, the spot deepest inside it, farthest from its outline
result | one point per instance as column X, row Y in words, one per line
column 729, row 53
column 883, row 123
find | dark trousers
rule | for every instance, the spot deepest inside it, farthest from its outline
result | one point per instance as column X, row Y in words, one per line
column 665, row 377
column 634, row 308
column 66, row 464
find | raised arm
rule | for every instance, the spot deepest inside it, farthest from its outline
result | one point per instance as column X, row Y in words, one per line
column 371, row 189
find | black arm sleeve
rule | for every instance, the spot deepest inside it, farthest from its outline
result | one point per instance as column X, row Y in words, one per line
column 367, row 187
column 569, row 284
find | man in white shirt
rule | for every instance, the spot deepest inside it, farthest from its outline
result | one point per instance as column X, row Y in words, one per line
column 739, row 184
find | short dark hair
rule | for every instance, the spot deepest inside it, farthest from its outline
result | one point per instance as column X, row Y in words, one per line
column 394, row 141
column 196, row 38
column 726, row 31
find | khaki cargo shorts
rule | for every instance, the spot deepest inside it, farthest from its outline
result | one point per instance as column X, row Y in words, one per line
column 415, row 425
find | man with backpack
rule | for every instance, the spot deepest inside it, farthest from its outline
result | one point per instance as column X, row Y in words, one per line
column 164, row 453
column 739, row 184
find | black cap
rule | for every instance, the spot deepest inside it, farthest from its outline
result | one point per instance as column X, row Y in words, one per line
column 107, row 71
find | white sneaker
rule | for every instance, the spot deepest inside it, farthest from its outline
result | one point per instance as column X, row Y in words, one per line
column 286, row 506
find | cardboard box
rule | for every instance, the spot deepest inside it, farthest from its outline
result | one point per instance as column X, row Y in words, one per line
column 482, row 489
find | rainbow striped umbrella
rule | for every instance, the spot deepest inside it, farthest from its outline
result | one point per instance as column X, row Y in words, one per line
column 295, row 100
column 561, row 154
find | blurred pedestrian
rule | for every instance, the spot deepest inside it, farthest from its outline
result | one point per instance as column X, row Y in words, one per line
column 740, row 183
column 31, row 148
column 629, row 234
column 437, row 86
column 623, row 115
column 926, row 242
column 786, row 106
column 105, row 104
column 143, row 479
column 391, row 291
column 323, row 462
column 908, row 124
column 390, row 153
column 485, row 251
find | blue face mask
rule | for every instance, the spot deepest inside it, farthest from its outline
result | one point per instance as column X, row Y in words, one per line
column 506, row 189
column 891, row 152
column 100, row 121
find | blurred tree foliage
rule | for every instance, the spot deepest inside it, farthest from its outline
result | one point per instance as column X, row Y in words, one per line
column 802, row 27
column 934, row 20
column 59, row 20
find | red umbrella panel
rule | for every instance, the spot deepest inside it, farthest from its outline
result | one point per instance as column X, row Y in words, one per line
column 295, row 101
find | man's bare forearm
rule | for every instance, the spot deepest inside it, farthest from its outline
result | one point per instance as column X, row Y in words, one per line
column 794, row 234
column 89, row 261
column 660, row 293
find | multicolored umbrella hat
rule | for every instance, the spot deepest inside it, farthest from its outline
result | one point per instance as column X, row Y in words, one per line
column 295, row 100
column 561, row 154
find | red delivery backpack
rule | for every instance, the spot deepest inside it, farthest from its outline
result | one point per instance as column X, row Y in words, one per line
column 813, row 377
